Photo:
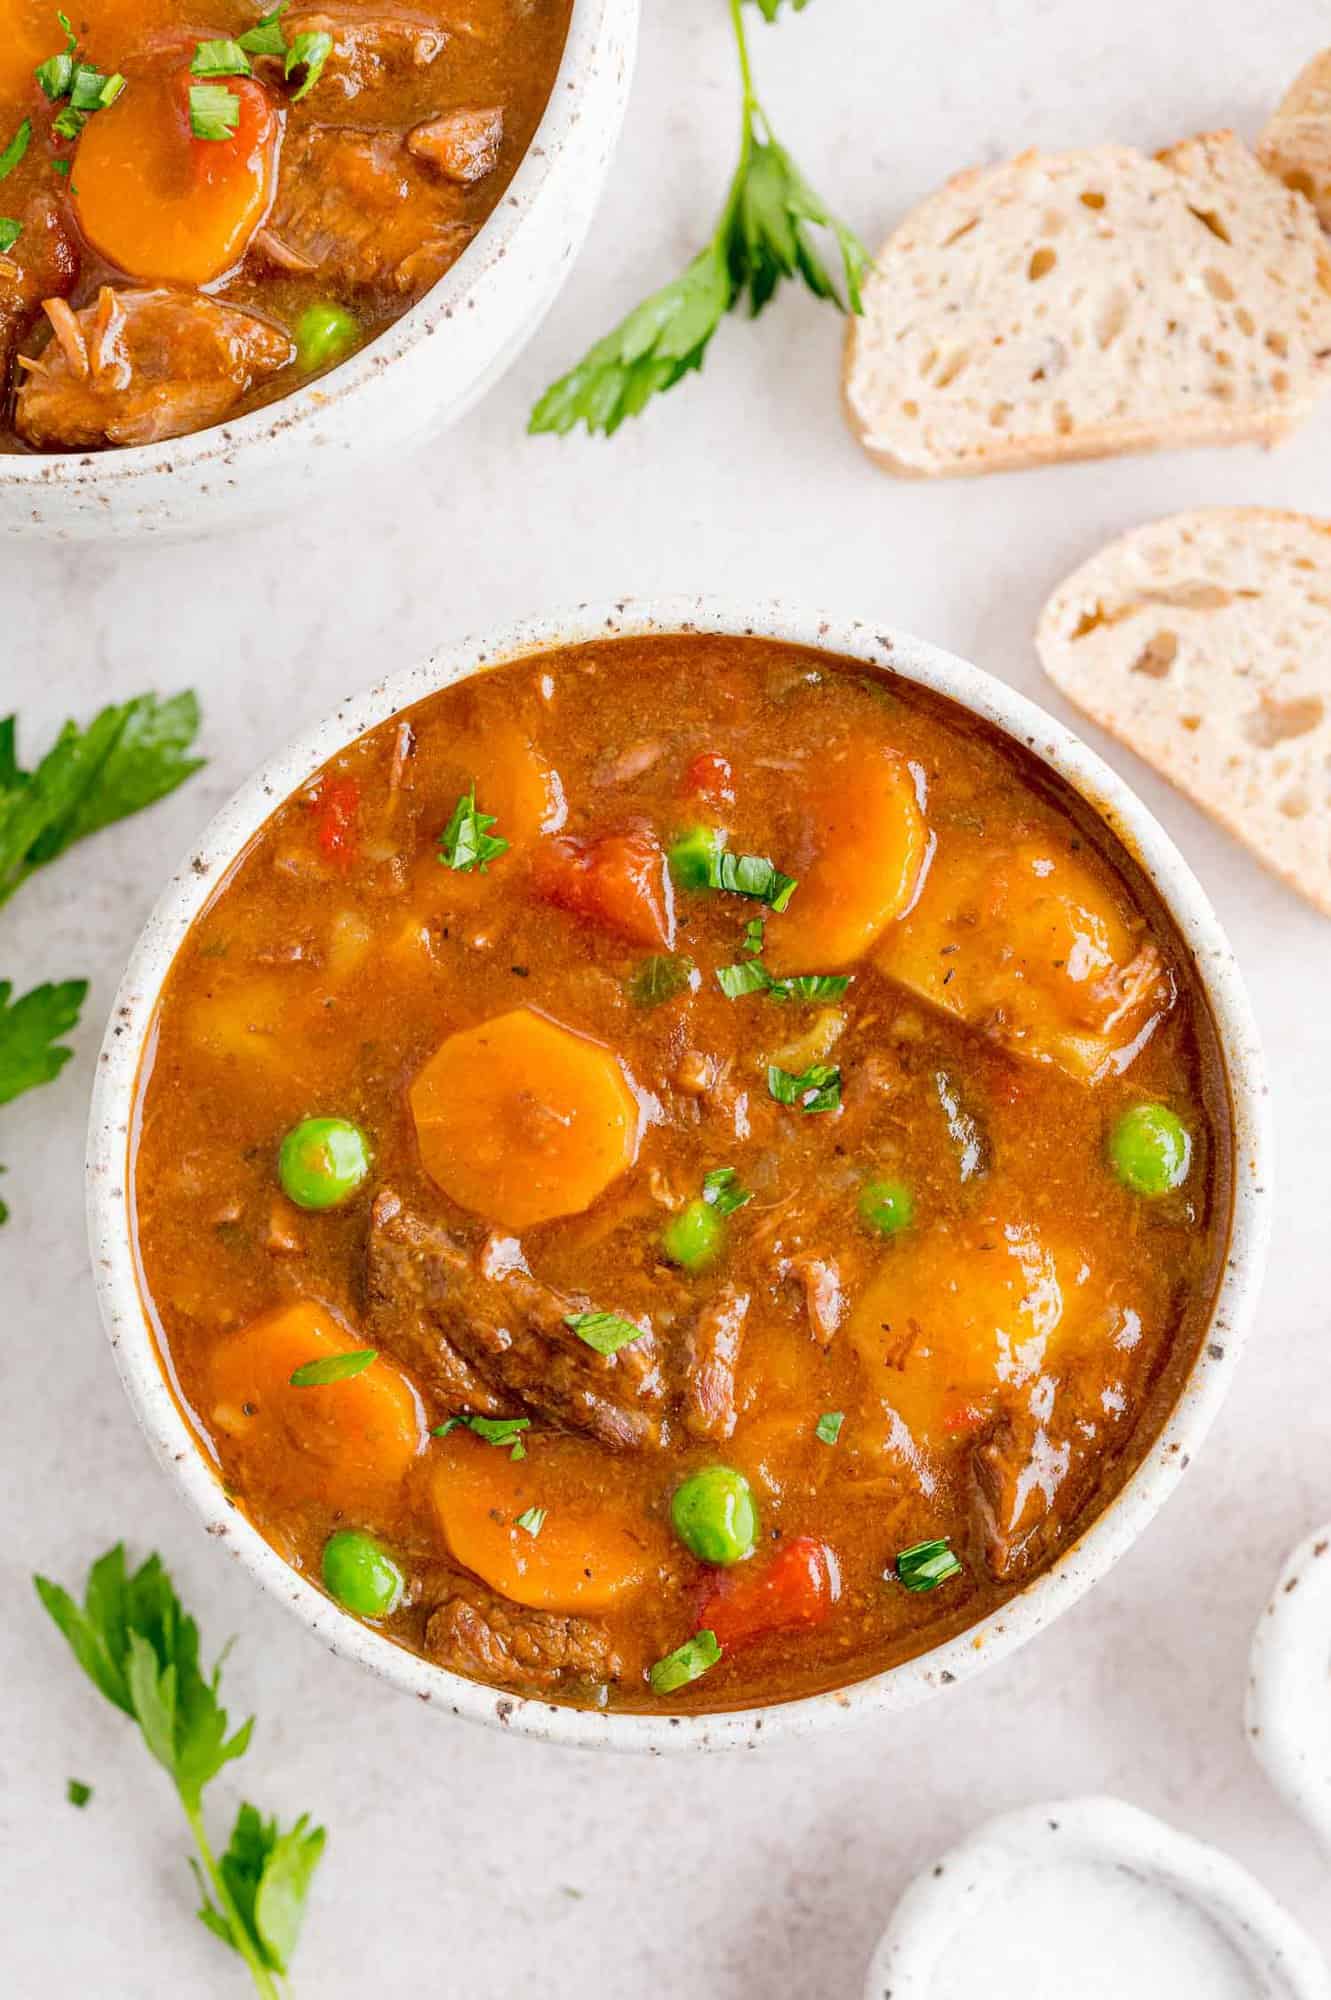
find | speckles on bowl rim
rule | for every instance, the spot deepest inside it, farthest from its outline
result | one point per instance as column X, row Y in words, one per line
column 1079, row 1566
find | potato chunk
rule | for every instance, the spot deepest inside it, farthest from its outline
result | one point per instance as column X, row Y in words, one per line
column 1030, row 945
column 521, row 1119
column 956, row 1317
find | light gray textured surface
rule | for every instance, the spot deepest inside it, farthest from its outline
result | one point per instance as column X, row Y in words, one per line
column 460, row 1861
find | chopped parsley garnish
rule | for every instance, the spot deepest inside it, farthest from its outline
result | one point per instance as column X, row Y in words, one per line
column 925, row 1565
column 533, row 1520
column 214, row 111
column 817, row 1088
column 309, row 52
column 660, row 978
column 10, row 231
column 828, row 1427
column 466, row 842
column 736, row 981
column 762, row 236
column 140, row 1648
column 688, row 1662
column 77, row 1792
column 494, row 1430
column 700, row 859
column 334, row 1368
column 606, row 1332
column 721, row 1189
column 57, row 72
column 128, row 756
column 266, row 37
column 92, row 90
column 752, row 875
column 221, row 58
column 15, row 150
column 752, row 976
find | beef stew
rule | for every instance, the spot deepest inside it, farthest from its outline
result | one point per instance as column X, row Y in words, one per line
column 680, row 1172
column 201, row 211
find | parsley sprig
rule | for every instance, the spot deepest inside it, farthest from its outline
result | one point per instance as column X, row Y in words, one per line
column 128, row 756
column 138, row 1646
column 763, row 236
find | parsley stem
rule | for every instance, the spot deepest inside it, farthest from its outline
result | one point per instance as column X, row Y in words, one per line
column 264, row 1983
column 742, row 44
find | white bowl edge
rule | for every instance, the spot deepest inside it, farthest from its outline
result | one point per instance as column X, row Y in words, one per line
column 914, row 1680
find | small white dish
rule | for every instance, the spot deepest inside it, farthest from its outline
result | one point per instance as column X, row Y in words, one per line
column 1095, row 1898
column 1289, row 1684
column 422, row 373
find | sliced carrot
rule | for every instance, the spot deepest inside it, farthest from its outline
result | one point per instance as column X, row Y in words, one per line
column 162, row 204
column 869, row 846
column 514, row 782
column 585, row 1553
column 521, row 1119
column 345, row 1445
column 617, row 880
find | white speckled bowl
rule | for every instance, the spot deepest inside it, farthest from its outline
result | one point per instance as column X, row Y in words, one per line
column 424, row 372
column 1145, row 1868
column 992, row 1638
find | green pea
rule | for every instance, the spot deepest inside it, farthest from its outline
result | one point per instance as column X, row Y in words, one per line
column 322, row 1161
column 361, row 1575
column 1151, row 1149
column 693, row 854
column 714, row 1515
column 695, row 1237
column 324, row 333
column 887, row 1206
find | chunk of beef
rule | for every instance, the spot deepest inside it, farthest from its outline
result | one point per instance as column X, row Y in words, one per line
column 483, row 1333
column 824, row 1300
column 462, row 145
column 709, row 1370
column 375, row 59
column 139, row 366
column 357, row 208
column 1019, row 1473
column 486, row 1637
column 43, row 264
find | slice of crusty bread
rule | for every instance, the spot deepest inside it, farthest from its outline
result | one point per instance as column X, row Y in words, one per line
column 1204, row 642
column 1296, row 144
column 1070, row 305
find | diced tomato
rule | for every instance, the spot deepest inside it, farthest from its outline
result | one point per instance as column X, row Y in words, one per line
column 616, row 879
column 709, row 776
column 337, row 806
column 797, row 1588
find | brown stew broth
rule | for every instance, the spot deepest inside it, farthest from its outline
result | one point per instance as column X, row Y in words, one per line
column 1001, row 1365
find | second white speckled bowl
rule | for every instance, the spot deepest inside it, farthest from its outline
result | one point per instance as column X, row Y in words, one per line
column 883, row 651
column 421, row 374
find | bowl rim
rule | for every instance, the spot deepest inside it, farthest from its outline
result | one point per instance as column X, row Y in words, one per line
column 878, row 645
column 287, row 417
